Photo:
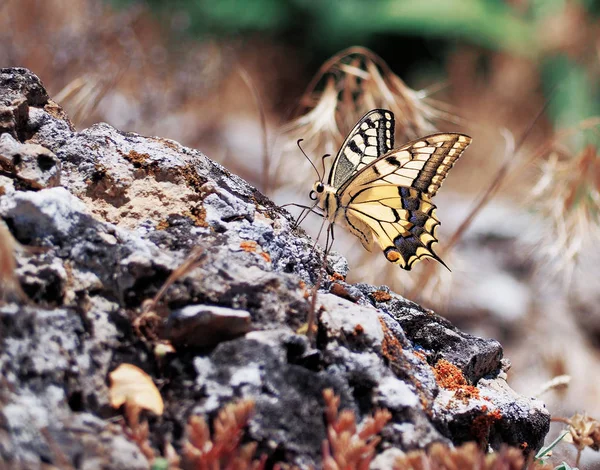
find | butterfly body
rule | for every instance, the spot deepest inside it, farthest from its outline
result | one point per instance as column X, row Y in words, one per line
column 384, row 194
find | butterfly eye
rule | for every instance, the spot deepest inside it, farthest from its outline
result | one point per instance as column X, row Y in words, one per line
column 312, row 195
column 320, row 188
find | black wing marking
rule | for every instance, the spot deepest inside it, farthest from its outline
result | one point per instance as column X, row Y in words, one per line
column 372, row 137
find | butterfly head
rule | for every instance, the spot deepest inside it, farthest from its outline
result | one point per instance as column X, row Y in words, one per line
column 325, row 198
column 317, row 190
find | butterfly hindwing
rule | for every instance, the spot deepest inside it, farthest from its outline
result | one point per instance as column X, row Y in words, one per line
column 371, row 137
column 403, row 221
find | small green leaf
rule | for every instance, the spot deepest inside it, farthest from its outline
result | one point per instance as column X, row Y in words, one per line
column 543, row 452
column 160, row 464
column 565, row 466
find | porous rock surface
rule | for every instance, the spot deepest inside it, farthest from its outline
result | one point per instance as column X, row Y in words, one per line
column 103, row 217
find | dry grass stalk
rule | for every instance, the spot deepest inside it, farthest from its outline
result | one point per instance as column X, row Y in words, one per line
column 466, row 457
column 584, row 431
column 222, row 450
column 568, row 195
column 347, row 447
column 8, row 265
column 427, row 276
column 149, row 315
column 348, row 85
column 82, row 95
column 559, row 382
column 172, row 457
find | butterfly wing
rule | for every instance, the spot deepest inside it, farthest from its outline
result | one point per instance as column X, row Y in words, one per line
column 402, row 220
column 392, row 196
column 372, row 137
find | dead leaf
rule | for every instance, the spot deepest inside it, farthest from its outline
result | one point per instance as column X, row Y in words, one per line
column 129, row 384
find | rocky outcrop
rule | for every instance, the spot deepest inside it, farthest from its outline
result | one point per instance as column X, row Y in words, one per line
column 103, row 218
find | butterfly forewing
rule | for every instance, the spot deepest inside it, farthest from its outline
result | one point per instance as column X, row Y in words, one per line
column 372, row 137
column 421, row 164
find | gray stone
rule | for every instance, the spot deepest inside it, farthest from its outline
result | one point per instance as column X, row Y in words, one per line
column 205, row 325
column 33, row 165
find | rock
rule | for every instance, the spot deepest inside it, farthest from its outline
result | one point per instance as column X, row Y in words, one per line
column 386, row 459
column 206, row 325
column 33, row 165
column 138, row 215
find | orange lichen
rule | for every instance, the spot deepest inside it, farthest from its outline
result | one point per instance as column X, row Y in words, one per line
column 466, row 393
column 482, row 424
column 341, row 291
column 381, row 296
column 420, row 355
column 136, row 157
column 450, row 377
column 192, row 178
column 249, row 246
column 358, row 330
column 391, row 348
column 162, row 225
column 336, row 277
column 198, row 215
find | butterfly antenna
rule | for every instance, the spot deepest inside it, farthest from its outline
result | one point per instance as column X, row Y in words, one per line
column 309, row 160
column 323, row 162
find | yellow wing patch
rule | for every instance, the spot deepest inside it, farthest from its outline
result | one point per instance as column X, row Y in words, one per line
column 404, row 224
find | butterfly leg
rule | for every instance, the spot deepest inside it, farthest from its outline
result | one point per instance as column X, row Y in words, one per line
column 305, row 211
column 319, row 234
column 330, row 239
column 309, row 210
column 299, row 219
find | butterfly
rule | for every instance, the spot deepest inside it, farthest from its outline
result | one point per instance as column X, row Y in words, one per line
column 384, row 194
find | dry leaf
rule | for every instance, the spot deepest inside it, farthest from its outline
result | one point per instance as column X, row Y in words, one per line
column 132, row 385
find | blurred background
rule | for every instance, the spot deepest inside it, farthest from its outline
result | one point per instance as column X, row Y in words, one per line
column 242, row 81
